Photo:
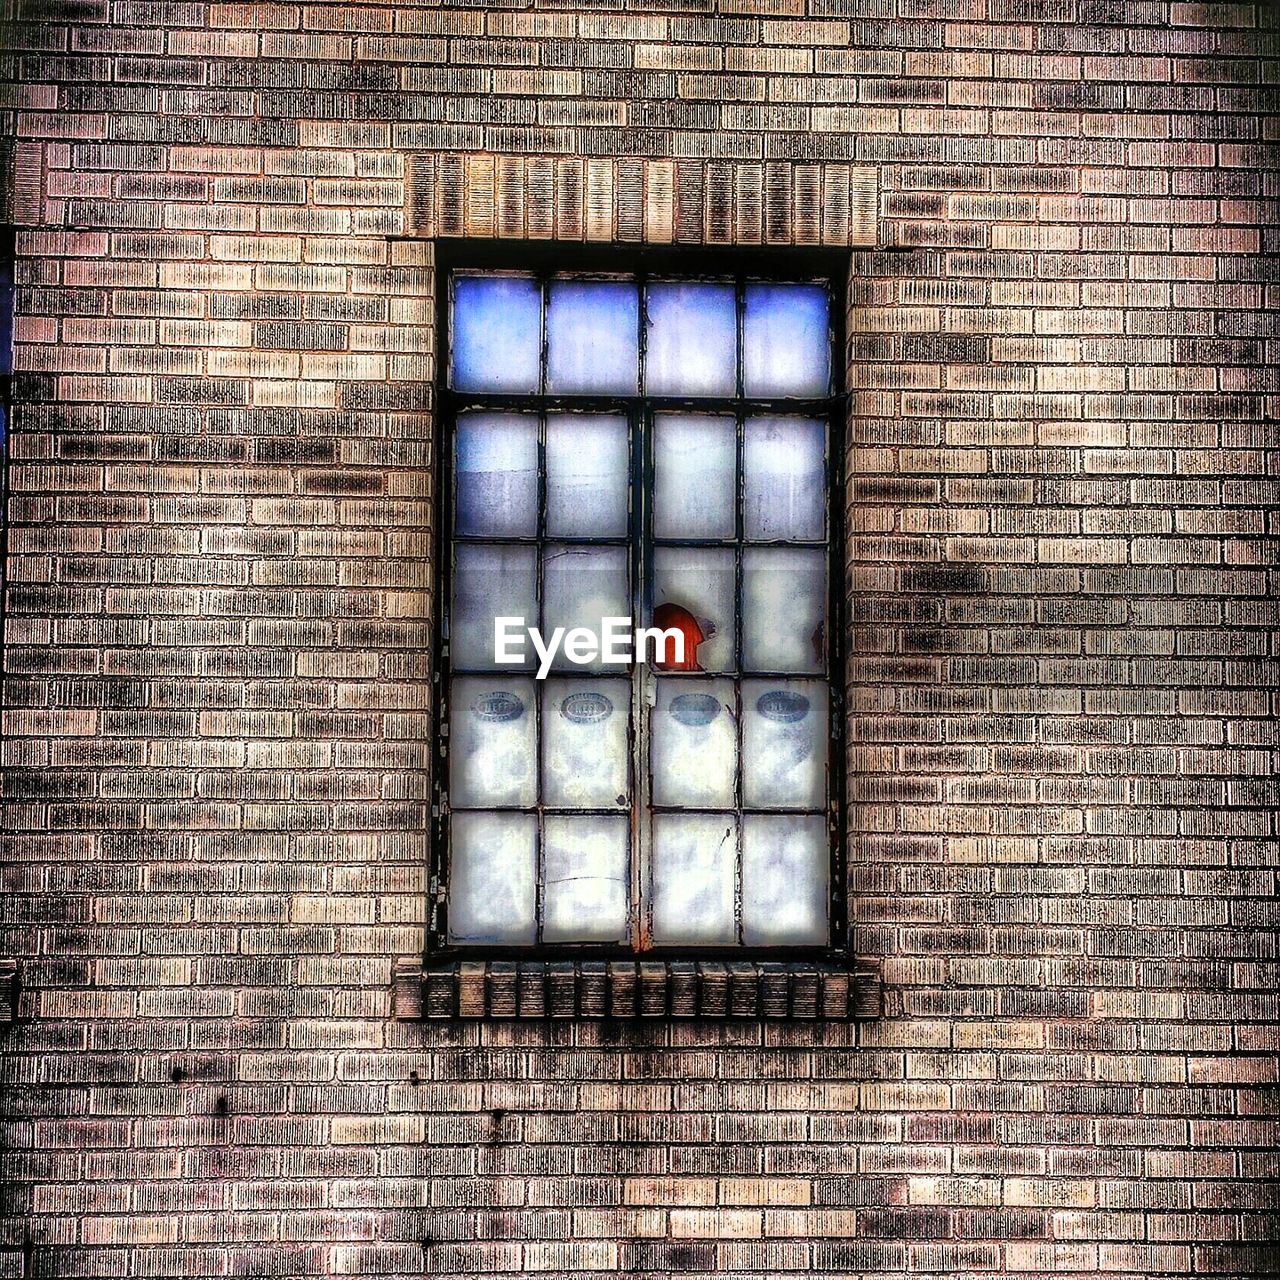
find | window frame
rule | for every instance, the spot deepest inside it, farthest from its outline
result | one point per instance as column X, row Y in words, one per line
column 547, row 260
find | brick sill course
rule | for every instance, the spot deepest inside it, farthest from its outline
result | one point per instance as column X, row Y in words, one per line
column 806, row 990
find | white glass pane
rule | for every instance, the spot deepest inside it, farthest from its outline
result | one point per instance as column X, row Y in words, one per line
column 588, row 468
column 593, row 329
column 784, row 607
column 693, row 743
column 585, row 743
column 786, row 341
column 785, row 864
column 581, row 586
column 694, row 591
column 491, row 581
column 493, row 859
column 492, row 751
column 497, row 475
column 497, row 333
column 694, row 470
column 587, row 890
column 785, row 484
column 694, row 863
column 692, row 342
column 784, row 744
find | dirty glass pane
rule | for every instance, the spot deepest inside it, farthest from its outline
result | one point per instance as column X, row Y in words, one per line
column 585, row 744
column 588, row 468
column 492, row 755
column 785, row 865
column 692, row 340
column 694, row 743
column 585, row 898
column 694, row 864
column 593, row 336
column 698, row 582
column 785, row 479
column 496, row 475
column 694, row 472
column 497, row 333
column 581, row 586
column 490, row 580
column 784, row 604
column 784, row 744
column 493, row 860
column 786, row 343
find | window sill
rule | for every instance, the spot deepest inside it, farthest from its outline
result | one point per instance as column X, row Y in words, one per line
column 803, row 990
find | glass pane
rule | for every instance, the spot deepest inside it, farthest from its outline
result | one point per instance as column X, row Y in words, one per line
column 692, row 342
column 785, row 864
column 694, row 468
column 784, row 603
column 593, row 336
column 497, row 475
column 588, row 469
column 588, row 886
column 694, row 591
column 786, row 340
column 493, row 859
column 490, row 581
column 694, row 863
column 785, row 478
column 492, row 754
column 497, row 333
column 694, row 743
column 581, row 587
column 784, row 744
column 585, row 744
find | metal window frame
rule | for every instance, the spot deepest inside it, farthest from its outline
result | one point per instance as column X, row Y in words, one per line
column 547, row 260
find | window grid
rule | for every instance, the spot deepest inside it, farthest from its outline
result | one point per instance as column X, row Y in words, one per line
column 641, row 412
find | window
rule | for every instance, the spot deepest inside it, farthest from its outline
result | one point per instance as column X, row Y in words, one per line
column 626, row 454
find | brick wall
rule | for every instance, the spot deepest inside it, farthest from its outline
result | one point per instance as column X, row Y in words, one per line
column 217, row 665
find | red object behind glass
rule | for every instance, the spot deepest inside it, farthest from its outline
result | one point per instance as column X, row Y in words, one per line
column 675, row 617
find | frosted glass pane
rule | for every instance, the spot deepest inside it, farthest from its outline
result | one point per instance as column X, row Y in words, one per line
column 697, row 583
column 694, row 864
column 582, row 586
column 588, row 469
column 784, row 606
column 693, row 743
column 490, row 580
column 784, row 744
column 493, row 859
column 694, row 471
column 692, row 341
column 497, row 475
column 593, row 329
column 584, row 743
column 492, row 752
column 785, row 485
column 497, row 333
column 785, row 864
column 587, row 890
column 786, row 341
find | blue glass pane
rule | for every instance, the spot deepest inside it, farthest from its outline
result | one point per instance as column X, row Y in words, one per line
column 593, row 336
column 786, row 340
column 497, row 475
column 588, row 468
column 695, row 461
column 497, row 333
column 785, row 478
column 692, row 340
